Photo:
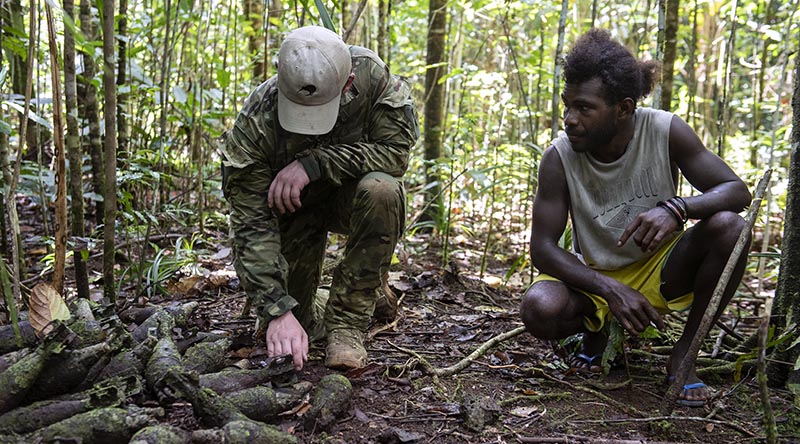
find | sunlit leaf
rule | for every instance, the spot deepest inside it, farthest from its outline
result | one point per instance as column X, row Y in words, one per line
column 46, row 306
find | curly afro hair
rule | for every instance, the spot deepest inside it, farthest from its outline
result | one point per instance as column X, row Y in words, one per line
column 595, row 54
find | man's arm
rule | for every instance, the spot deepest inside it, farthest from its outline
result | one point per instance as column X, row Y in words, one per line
column 721, row 188
column 391, row 133
column 550, row 212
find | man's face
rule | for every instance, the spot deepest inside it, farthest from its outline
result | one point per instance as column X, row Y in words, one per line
column 589, row 121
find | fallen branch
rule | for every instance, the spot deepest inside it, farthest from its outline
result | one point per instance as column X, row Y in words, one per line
column 572, row 439
column 674, row 391
column 619, row 405
column 730, row 424
column 464, row 363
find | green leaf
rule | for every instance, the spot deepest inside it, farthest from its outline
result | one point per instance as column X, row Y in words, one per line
column 223, row 78
column 324, row 16
column 5, row 128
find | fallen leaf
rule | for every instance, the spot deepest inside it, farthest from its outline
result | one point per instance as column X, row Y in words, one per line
column 46, row 306
column 524, row 412
column 709, row 427
column 493, row 281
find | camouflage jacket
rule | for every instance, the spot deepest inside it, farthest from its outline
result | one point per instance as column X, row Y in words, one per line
column 375, row 131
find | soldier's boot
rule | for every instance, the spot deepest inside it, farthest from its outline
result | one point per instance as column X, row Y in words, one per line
column 386, row 304
column 345, row 349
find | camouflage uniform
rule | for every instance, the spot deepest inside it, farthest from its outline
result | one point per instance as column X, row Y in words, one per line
column 355, row 189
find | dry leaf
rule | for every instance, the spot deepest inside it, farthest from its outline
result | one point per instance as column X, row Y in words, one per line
column 46, row 306
column 493, row 281
column 709, row 427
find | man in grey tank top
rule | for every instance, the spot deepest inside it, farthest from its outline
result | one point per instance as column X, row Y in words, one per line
column 614, row 172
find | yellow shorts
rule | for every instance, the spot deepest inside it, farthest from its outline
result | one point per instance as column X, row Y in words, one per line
column 643, row 276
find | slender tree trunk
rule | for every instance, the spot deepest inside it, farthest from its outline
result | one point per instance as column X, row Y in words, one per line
column 122, row 77
column 59, row 159
column 434, row 104
column 562, row 25
column 110, row 145
column 88, row 98
column 73, row 147
column 384, row 31
column 722, row 110
column 254, row 12
column 787, row 294
column 670, row 42
column 5, row 167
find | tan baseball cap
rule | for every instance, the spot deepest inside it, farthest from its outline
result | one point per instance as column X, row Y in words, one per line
column 313, row 67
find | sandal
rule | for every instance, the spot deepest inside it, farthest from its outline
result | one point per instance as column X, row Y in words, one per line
column 691, row 386
column 584, row 363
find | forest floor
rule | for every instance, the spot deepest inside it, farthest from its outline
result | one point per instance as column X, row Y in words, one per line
column 521, row 390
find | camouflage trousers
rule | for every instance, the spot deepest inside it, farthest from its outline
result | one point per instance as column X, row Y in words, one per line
column 371, row 212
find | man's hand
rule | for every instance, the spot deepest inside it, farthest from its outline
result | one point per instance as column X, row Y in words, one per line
column 285, row 335
column 284, row 191
column 650, row 228
column 633, row 311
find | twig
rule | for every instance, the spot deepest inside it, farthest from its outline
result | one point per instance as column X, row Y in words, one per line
column 770, row 429
column 355, row 19
column 464, row 363
column 621, row 406
column 730, row 424
column 668, row 403
column 572, row 439
column 480, row 351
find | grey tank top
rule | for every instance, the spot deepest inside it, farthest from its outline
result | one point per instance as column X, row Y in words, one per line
column 606, row 197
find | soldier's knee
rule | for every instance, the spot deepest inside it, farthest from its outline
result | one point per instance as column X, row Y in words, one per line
column 381, row 190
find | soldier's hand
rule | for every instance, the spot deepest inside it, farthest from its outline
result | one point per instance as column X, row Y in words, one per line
column 285, row 336
column 649, row 228
column 284, row 191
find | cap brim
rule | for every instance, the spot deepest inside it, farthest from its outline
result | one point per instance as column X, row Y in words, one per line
column 312, row 120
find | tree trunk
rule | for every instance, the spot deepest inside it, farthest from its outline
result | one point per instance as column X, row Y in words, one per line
column 254, row 12
column 110, row 147
column 73, row 146
column 434, row 105
column 122, row 77
column 667, row 66
column 787, row 294
column 87, row 100
column 59, row 159
column 384, row 31
column 562, row 25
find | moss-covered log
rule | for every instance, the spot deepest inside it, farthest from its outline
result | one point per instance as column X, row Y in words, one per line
column 126, row 386
column 65, row 372
column 160, row 324
column 8, row 339
column 242, row 432
column 137, row 314
column 8, row 359
column 161, row 434
column 164, row 319
column 99, row 426
column 17, row 380
column 252, row 432
column 330, row 399
column 207, row 357
column 211, row 409
column 265, row 404
column 165, row 358
column 129, row 362
column 44, row 413
column 279, row 369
